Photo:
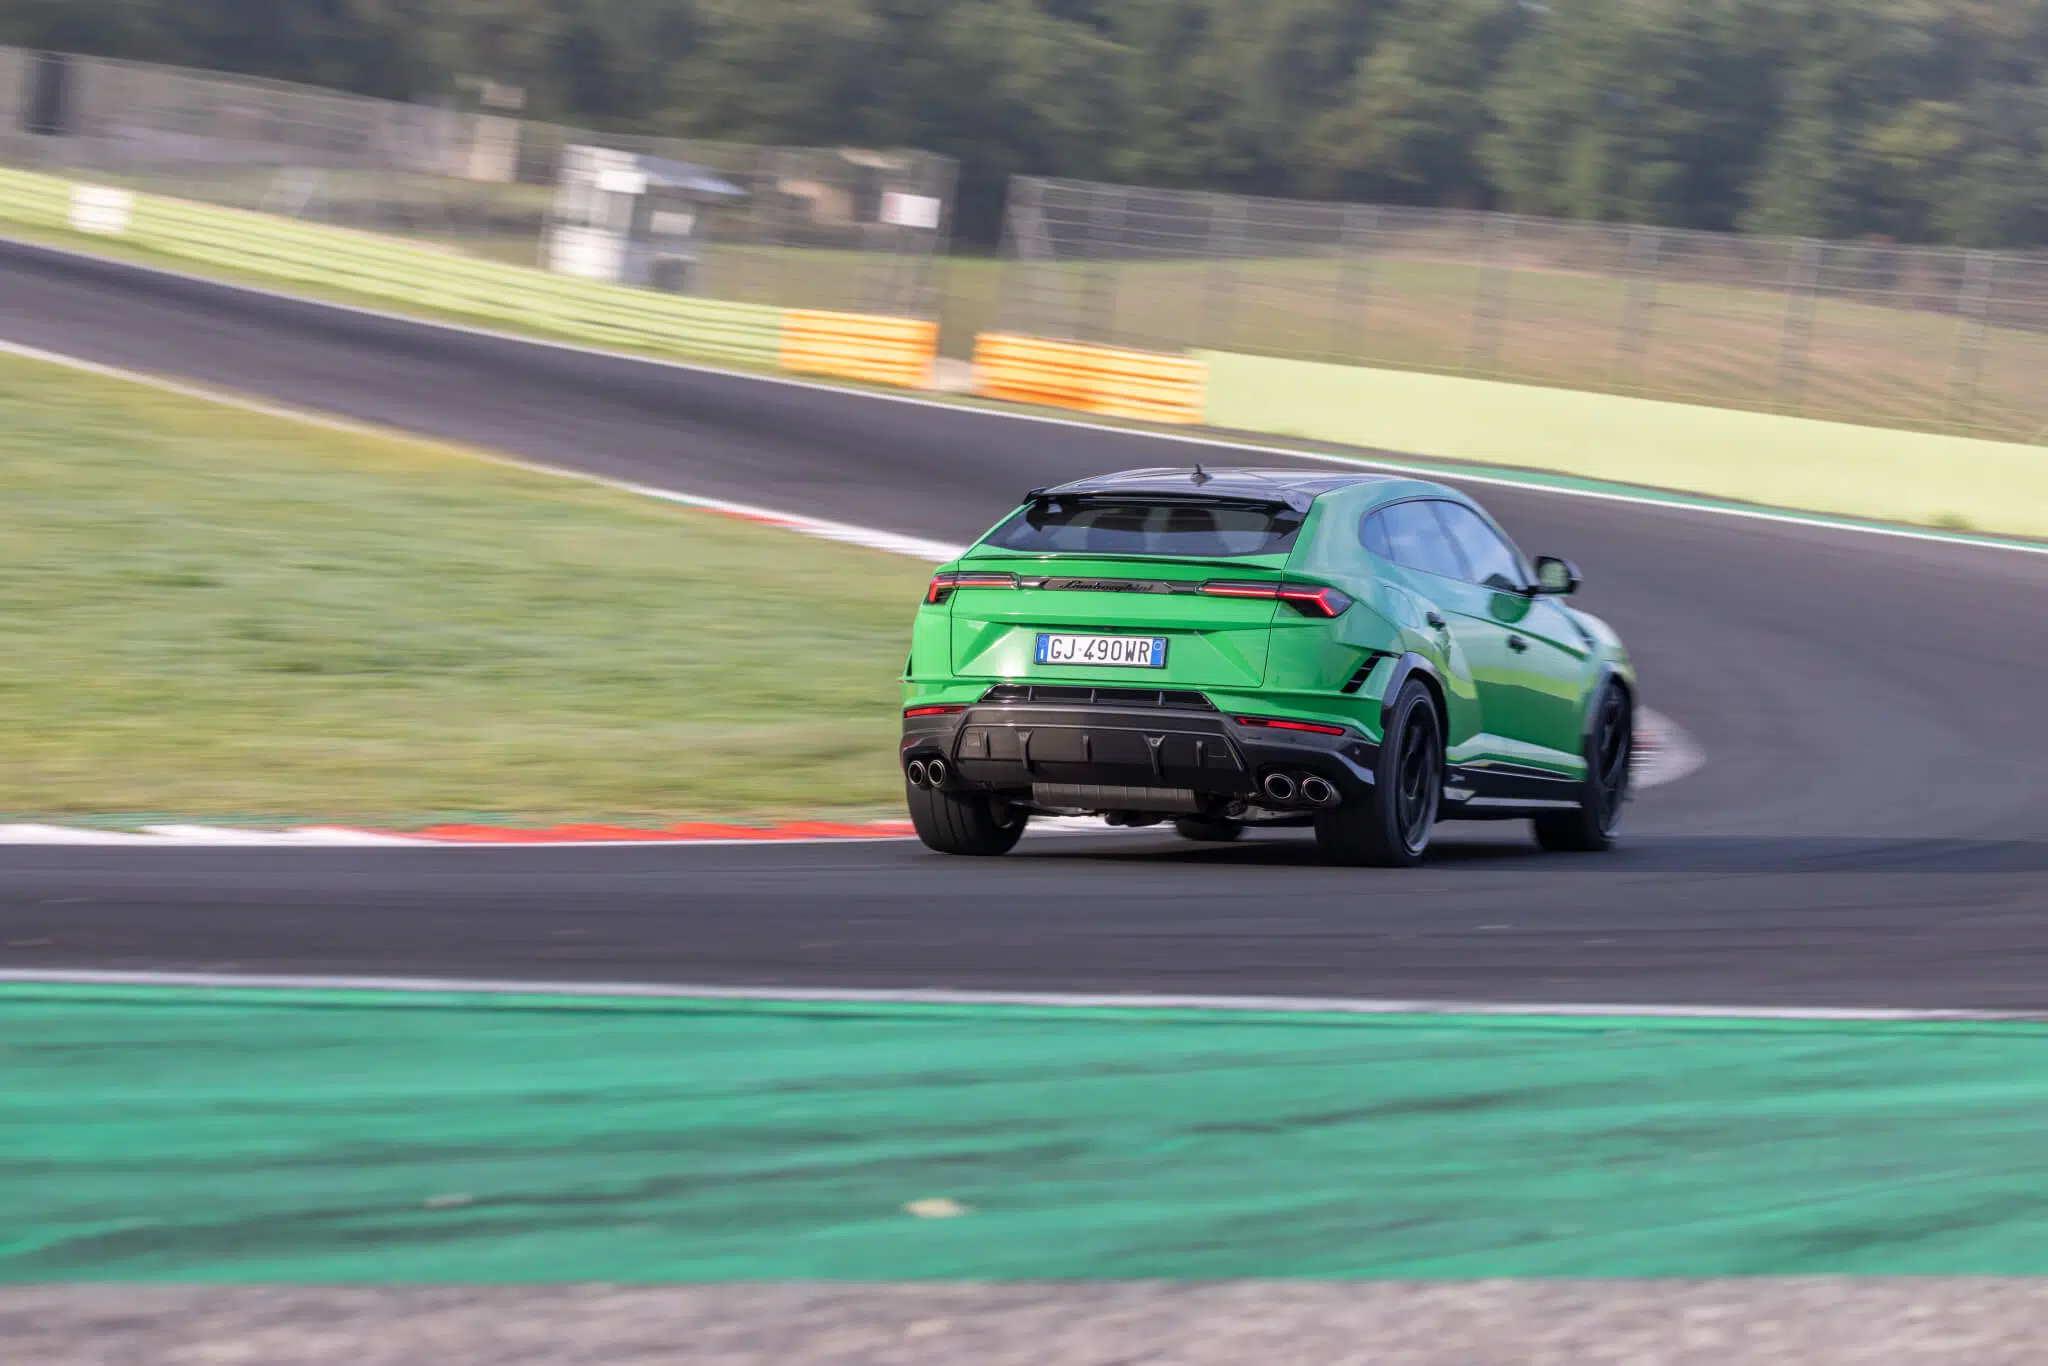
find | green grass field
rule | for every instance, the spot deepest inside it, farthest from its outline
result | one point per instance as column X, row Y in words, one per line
column 218, row 614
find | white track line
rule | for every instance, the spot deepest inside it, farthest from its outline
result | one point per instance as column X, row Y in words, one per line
column 895, row 543
column 1444, row 470
column 68, row 834
column 343, row 837
column 326, row 836
column 211, row 836
column 1056, row 1000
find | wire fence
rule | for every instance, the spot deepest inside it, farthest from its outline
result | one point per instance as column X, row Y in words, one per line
column 16, row 107
column 1922, row 337
column 816, row 227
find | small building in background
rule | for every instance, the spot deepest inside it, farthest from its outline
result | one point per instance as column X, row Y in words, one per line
column 632, row 219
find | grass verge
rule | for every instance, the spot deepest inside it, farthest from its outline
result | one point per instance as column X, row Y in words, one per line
column 227, row 615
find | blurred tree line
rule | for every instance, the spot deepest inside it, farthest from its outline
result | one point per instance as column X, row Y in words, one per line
column 1920, row 120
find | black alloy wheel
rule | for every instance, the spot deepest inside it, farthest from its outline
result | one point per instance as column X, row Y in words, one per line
column 1391, row 827
column 1610, row 748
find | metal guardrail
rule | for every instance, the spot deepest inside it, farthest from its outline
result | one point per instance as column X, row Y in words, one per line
column 1924, row 337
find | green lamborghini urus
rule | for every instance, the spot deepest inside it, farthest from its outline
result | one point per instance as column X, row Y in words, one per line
column 1367, row 654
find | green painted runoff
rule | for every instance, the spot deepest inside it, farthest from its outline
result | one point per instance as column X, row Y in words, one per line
column 247, row 1136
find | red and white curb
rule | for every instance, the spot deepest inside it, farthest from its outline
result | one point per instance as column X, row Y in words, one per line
column 1664, row 754
column 494, row 836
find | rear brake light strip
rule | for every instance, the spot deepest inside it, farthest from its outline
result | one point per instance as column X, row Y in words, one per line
column 1309, row 599
column 1281, row 723
column 942, row 585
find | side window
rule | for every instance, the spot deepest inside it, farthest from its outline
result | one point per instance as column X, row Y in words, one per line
column 1372, row 534
column 1492, row 561
column 1416, row 539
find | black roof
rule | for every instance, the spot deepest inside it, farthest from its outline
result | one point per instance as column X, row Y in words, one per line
column 1295, row 487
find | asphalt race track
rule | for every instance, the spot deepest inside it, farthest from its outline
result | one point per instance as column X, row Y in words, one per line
column 1870, row 828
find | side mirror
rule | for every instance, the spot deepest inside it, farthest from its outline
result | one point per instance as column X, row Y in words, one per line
column 1556, row 577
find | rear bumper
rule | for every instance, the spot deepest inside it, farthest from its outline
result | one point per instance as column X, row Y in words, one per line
column 1018, row 746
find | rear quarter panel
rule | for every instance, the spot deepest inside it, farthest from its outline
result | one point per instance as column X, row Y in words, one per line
column 1388, row 612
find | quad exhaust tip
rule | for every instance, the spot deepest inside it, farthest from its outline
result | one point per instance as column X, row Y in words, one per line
column 916, row 772
column 1286, row 790
column 935, row 772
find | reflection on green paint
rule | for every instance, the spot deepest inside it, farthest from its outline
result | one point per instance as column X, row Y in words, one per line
column 255, row 1136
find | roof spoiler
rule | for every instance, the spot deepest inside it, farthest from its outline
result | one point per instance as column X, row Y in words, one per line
column 1299, row 502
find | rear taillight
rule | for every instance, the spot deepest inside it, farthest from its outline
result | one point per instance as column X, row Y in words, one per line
column 1314, row 600
column 942, row 585
column 932, row 711
column 1281, row 723
column 1309, row 599
column 1217, row 589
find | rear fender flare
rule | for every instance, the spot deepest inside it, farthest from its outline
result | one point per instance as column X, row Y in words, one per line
column 1412, row 665
column 1608, row 673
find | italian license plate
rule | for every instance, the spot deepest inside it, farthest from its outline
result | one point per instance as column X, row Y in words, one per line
column 1123, row 652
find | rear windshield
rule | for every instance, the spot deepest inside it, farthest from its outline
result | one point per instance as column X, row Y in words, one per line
column 1139, row 526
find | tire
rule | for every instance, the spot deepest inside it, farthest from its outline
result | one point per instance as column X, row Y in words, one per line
column 1390, row 829
column 1610, row 743
column 962, row 822
column 1220, row 831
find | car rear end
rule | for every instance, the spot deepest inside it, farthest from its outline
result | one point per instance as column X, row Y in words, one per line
column 1110, row 652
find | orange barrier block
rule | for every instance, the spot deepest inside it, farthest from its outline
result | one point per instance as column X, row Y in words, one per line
column 866, row 346
column 1096, row 379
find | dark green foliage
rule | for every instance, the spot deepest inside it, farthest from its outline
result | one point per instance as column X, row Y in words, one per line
column 1920, row 120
